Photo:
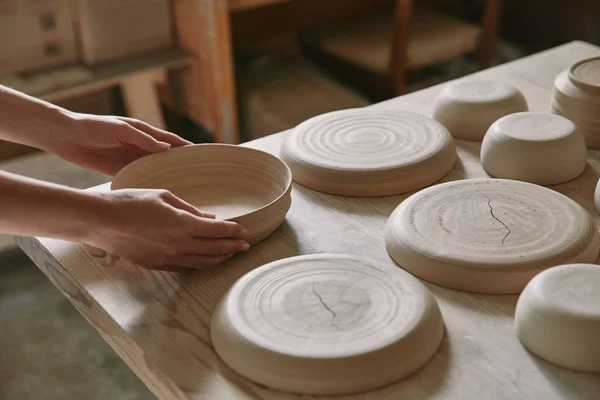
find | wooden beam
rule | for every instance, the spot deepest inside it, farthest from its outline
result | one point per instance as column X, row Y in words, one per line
column 400, row 41
column 203, row 31
column 490, row 22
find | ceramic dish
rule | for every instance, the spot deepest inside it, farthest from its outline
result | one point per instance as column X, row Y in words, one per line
column 558, row 316
column 467, row 108
column 535, row 147
column 235, row 183
column 576, row 96
column 488, row 235
column 368, row 152
column 327, row 324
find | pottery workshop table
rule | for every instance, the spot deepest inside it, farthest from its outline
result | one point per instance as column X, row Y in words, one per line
column 159, row 322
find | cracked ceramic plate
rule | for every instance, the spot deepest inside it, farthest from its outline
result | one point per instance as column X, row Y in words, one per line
column 489, row 235
column 327, row 324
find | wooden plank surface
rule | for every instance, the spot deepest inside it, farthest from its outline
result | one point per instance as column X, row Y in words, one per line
column 159, row 322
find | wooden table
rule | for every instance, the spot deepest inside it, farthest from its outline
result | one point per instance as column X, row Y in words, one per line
column 159, row 322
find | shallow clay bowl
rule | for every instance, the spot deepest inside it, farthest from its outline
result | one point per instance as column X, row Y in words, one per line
column 235, row 183
column 467, row 108
column 558, row 318
column 541, row 148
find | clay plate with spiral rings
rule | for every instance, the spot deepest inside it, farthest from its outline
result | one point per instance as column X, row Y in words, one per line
column 368, row 152
column 489, row 235
column 235, row 183
column 327, row 324
column 558, row 316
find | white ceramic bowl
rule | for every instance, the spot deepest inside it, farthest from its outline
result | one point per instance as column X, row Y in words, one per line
column 540, row 148
column 558, row 316
column 235, row 183
column 576, row 96
column 468, row 107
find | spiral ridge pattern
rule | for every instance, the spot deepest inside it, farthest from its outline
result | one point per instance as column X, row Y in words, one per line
column 364, row 147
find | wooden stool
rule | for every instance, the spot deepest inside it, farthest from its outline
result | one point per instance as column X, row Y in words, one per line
column 388, row 43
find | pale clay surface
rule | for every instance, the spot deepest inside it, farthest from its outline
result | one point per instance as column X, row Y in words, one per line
column 576, row 96
column 488, row 235
column 234, row 183
column 558, row 316
column 468, row 107
column 327, row 324
column 366, row 152
column 536, row 147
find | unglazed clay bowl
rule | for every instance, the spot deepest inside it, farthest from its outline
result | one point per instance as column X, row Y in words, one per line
column 576, row 96
column 558, row 316
column 541, row 148
column 467, row 108
column 327, row 324
column 235, row 183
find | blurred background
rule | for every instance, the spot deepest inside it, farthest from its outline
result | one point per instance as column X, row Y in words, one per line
column 219, row 71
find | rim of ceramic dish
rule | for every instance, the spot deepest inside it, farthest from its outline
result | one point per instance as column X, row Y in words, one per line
column 288, row 183
column 578, row 82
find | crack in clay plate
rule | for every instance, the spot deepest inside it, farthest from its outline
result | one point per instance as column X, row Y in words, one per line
column 235, row 183
column 368, row 152
column 488, row 235
column 327, row 324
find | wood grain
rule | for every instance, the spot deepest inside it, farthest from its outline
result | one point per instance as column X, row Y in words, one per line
column 159, row 322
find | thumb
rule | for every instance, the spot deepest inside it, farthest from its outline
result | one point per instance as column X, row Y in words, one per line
column 131, row 135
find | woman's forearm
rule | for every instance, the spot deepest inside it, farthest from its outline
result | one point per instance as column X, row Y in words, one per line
column 30, row 121
column 34, row 208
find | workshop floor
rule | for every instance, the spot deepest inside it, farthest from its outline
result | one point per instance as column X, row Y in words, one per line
column 47, row 349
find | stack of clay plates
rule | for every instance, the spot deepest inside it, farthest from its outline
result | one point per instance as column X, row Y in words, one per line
column 327, row 324
column 576, row 96
column 368, row 152
column 489, row 235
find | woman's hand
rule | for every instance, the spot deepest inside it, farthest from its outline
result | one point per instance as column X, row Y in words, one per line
column 157, row 230
column 107, row 143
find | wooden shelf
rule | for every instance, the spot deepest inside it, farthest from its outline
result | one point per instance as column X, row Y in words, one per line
column 76, row 79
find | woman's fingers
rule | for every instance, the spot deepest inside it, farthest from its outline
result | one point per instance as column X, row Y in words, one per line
column 185, row 206
column 130, row 135
column 217, row 229
column 162, row 135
